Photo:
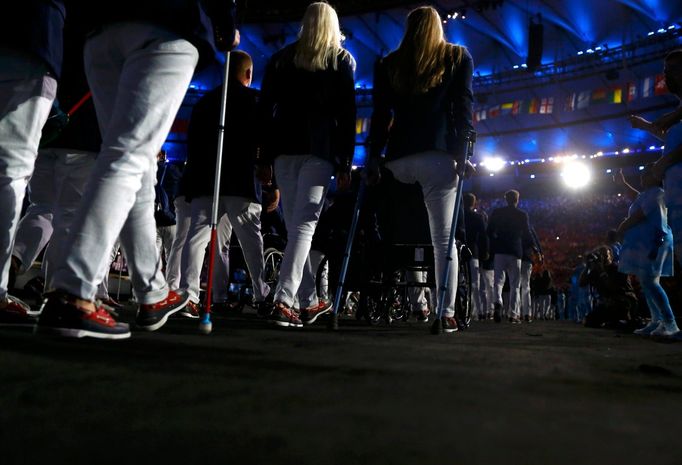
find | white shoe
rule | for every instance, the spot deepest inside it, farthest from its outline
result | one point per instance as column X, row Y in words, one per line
column 666, row 329
column 648, row 329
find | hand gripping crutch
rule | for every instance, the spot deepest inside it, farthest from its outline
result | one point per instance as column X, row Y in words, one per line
column 470, row 139
column 205, row 325
column 334, row 323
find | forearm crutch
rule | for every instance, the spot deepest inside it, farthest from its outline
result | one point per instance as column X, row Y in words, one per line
column 470, row 139
column 205, row 325
column 334, row 323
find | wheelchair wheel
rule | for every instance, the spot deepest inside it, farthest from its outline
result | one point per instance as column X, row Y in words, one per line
column 371, row 308
column 463, row 299
column 273, row 260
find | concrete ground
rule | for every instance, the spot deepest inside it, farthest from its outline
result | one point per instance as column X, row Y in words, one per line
column 545, row 393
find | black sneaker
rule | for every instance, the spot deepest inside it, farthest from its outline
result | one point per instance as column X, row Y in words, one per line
column 514, row 320
column 264, row 309
column 446, row 324
column 421, row 316
column 17, row 313
column 62, row 317
column 285, row 316
column 527, row 319
column 151, row 317
column 496, row 314
column 310, row 314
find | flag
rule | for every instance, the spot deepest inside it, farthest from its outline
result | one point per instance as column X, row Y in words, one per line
column 659, row 87
column 647, row 87
column 516, row 109
column 494, row 112
column 583, row 100
column 615, row 95
column 569, row 104
column 599, row 96
column 632, row 91
column 506, row 108
column 533, row 107
column 547, row 105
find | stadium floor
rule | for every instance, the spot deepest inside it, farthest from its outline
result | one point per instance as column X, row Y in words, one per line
column 540, row 393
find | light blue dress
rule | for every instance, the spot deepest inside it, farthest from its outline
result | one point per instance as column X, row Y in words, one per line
column 648, row 246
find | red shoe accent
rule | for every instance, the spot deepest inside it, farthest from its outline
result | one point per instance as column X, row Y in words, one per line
column 172, row 299
column 101, row 317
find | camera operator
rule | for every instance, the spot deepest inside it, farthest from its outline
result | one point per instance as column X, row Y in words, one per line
column 616, row 302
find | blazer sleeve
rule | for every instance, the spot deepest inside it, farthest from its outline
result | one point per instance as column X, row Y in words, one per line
column 462, row 102
column 347, row 112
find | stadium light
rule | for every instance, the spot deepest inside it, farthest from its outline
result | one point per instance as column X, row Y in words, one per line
column 493, row 164
column 576, row 175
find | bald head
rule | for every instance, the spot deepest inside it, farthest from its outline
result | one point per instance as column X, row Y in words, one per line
column 241, row 67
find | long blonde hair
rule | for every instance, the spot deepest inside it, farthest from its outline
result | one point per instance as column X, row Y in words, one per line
column 418, row 64
column 319, row 40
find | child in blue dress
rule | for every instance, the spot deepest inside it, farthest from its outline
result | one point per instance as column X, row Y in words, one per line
column 648, row 252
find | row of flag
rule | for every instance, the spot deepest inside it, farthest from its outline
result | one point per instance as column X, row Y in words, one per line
column 618, row 94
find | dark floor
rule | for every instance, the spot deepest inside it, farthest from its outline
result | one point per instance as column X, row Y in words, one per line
column 541, row 393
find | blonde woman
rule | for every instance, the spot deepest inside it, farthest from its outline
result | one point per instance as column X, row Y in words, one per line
column 308, row 100
column 422, row 113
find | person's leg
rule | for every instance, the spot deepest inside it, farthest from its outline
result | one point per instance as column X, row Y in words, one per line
column 474, row 273
column 658, row 303
column 182, row 219
column 244, row 215
column 514, row 273
column 312, row 180
column 138, row 74
column 198, row 237
column 524, row 283
column 26, row 95
column 221, row 266
column 35, row 228
column 501, row 261
column 487, row 278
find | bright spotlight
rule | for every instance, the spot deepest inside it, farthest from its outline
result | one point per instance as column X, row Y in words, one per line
column 493, row 164
column 576, row 175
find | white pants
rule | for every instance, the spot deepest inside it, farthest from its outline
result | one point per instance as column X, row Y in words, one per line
column 544, row 306
column 26, row 95
column 165, row 235
column 487, row 285
column 474, row 272
column 508, row 265
column 138, row 74
column 436, row 174
column 417, row 294
column 303, row 181
column 524, row 283
column 236, row 213
column 183, row 218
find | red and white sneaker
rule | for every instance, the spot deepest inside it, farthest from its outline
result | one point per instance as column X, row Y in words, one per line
column 151, row 317
column 17, row 313
column 284, row 316
column 310, row 314
column 62, row 317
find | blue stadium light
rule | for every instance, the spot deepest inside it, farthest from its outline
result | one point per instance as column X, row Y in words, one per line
column 652, row 147
column 672, row 26
column 589, row 50
column 580, row 52
column 651, row 33
column 523, row 65
column 516, row 66
column 532, row 176
column 626, row 150
column 597, row 48
column 641, row 168
column 608, row 171
column 661, row 31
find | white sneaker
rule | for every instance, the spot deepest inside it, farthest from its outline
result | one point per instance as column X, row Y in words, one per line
column 648, row 329
column 666, row 329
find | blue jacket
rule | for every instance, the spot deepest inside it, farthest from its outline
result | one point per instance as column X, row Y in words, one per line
column 305, row 112
column 36, row 27
column 435, row 120
column 509, row 231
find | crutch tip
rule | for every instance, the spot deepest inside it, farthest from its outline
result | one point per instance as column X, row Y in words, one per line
column 437, row 326
column 205, row 325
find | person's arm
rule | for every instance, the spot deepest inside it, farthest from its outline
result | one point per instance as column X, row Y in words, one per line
column 346, row 118
column 619, row 179
column 671, row 158
column 636, row 217
column 382, row 116
column 483, row 241
column 462, row 102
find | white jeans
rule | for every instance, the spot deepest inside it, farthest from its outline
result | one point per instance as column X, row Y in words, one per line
column 303, row 181
column 236, row 213
column 524, row 283
column 26, row 95
column 138, row 74
column 487, row 285
column 165, row 235
column 183, row 218
column 508, row 265
column 54, row 191
column 436, row 174
column 474, row 272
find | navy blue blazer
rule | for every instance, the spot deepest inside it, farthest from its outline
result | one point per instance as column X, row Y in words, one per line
column 36, row 27
column 509, row 230
column 436, row 120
